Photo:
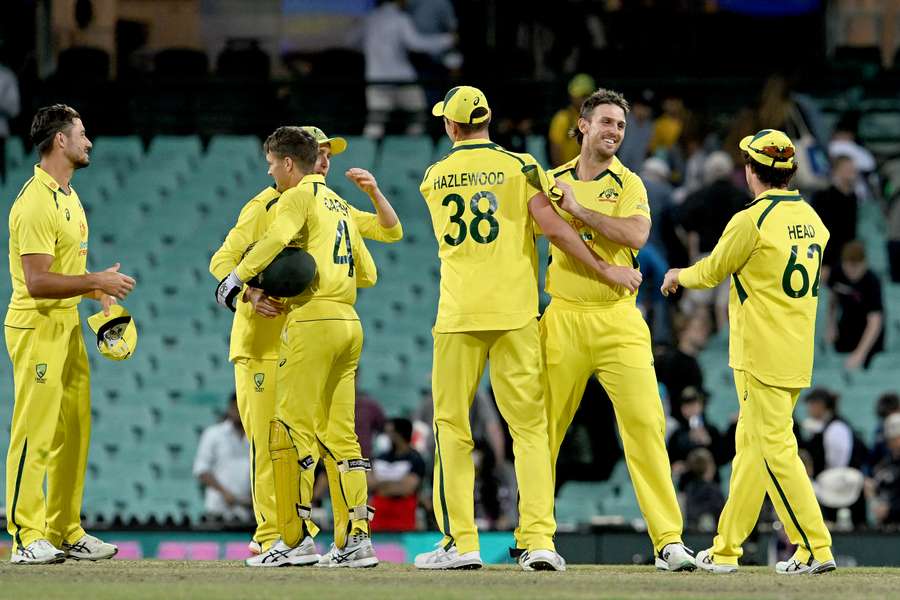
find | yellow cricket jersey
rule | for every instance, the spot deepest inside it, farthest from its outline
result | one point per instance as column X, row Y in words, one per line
column 773, row 252
column 616, row 192
column 311, row 217
column 253, row 336
column 45, row 220
column 478, row 199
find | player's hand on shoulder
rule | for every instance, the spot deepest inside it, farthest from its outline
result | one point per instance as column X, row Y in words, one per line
column 265, row 306
column 363, row 179
column 111, row 282
column 670, row 282
column 626, row 277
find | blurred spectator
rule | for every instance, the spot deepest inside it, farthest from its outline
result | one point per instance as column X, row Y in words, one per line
column 838, row 206
column 651, row 302
column 370, row 419
column 694, row 432
column 654, row 174
column 887, row 405
column 432, row 17
column 701, row 494
column 638, row 132
column 496, row 492
column 844, row 143
column 512, row 133
column 677, row 367
column 563, row 147
column 9, row 109
column 387, row 37
column 885, row 490
column 395, row 480
column 668, row 126
column 222, row 466
column 703, row 217
column 856, row 310
column 833, row 444
column 796, row 115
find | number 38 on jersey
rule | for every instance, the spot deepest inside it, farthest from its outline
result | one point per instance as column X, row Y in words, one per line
column 478, row 222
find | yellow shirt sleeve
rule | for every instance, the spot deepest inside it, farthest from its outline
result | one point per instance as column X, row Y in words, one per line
column 37, row 227
column 559, row 127
column 537, row 179
column 293, row 210
column 366, row 272
column 371, row 229
column 237, row 241
column 729, row 256
column 634, row 199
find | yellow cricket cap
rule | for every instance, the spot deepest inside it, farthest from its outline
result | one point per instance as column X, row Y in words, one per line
column 582, row 85
column 116, row 333
column 338, row 144
column 463, row 104
column 771, row 148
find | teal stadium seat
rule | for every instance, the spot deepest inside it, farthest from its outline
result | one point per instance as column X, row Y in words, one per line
column 360, row 153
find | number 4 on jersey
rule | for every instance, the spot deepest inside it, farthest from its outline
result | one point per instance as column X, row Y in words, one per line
column 343, row 235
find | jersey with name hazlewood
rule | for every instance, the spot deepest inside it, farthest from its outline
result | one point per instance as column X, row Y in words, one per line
column 311, row 217
column 772, row 251
column 478, row 198
column 45, row 220
column 616, row 192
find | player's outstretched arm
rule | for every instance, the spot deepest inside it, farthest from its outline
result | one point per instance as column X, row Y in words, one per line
column 631, row 231
column 384, row 225
column 43, row 283
column 566, row 239
column 730, row 254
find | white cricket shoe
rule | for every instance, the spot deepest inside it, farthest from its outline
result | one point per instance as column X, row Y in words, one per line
column 357, row 554
column 675, row 557
column 282, row 555
column 793, row 566
column 89, row 548
column 38, row 552
column 442, row 558
column 542, row 560
column 705, row 561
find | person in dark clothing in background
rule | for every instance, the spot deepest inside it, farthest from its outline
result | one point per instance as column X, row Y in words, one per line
column 837, row 206
column 856, row 309
column 677, row 367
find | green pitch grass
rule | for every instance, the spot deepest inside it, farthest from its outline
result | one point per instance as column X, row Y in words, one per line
column 225, row 579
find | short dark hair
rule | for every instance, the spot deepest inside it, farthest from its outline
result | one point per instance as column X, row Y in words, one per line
column 48, row 121
column 777, row 178
column 601, row 96
column 403, row 427
column 853, row 252
column 825, row 396
column 470, row 128
column 888, row 403
column 293, row 142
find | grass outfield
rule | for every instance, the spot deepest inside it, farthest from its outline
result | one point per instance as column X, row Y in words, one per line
column 174, row 580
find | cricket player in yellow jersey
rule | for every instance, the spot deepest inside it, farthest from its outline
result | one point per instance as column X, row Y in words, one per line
column 592, row 329
column 48, row 241
column 772, row 251
column 256, row 330
column 320, row 348
column 482, row 200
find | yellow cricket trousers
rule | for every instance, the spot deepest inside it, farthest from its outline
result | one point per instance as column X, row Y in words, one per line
column 613, row 344
column 515, row 367
column 51, row 426
column 767, row 462
column 316, row 399
column 255, row 381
